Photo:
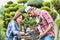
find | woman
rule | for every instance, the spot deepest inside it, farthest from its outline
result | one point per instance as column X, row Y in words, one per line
column 13, row 32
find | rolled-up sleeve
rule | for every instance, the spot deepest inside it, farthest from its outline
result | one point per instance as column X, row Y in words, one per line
column 48, row 18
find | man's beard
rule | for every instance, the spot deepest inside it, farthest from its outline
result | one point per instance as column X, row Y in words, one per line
column 33, row 16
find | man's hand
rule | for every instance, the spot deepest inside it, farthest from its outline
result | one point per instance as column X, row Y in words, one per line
column 41, row 35
column 38, row 37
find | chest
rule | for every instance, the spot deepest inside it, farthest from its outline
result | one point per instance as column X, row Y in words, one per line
column 41, row 19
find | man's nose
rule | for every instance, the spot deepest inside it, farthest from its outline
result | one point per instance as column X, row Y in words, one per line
column 30, row 14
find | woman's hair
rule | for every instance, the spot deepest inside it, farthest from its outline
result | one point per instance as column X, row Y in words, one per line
column 17, row 15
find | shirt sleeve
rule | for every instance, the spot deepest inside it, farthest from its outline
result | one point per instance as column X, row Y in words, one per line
column 15, row 32
column 9, row 30
column 48, row 18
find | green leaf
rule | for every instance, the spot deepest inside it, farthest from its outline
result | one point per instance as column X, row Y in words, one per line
column 45, row 8
column 9, row 2
column 7, row 15
column 22, row 1
column 35, row 3
column 22, row 9
column 58, row 11
column 58, row 22
column 6, row 10
column 53, row 15
column 12, row 14
column 13, row 5
column 46, row 4
column 6, row 5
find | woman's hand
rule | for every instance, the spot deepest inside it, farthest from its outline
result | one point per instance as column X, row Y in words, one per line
column 21, row 33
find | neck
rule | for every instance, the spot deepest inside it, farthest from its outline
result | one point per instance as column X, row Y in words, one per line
column 17, row 22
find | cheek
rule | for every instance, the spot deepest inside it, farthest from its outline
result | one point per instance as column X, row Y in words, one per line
column 18, row 19
column 32, row 13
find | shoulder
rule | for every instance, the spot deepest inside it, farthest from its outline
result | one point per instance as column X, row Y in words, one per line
column 12, row 22
column 44, row 12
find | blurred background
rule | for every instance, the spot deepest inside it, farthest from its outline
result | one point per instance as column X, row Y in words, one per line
column 8, row 9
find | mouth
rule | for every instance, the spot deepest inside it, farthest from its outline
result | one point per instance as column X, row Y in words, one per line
column 21, row 22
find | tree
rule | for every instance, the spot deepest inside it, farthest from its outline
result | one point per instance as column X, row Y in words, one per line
column 22, row 1
column 35, row 3
column 56, row 5
column 46, row 4
column 58, row 25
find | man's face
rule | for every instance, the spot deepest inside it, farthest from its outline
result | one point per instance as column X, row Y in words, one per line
column 36, row 13
column 31, row 13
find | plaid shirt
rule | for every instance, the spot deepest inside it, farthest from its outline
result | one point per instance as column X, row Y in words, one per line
column 47, row 21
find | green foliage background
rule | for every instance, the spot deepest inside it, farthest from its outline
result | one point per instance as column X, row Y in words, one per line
column 11, row 8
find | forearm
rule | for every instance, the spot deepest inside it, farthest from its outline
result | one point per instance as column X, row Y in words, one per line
column 47, row 30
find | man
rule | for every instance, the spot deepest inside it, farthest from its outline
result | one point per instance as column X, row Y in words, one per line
column 47, row 27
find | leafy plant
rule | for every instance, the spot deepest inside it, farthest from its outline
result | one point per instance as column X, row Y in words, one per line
column 56, row 4
column 35, row 3
column 12, row 14
column 6, row 5
column 6, row 10
column 9, row 2
column 45, row 8
column 32, row 22
column 22, row 9
column 8, row 19
column 2, row 33
column 7, row 15
column 12, row 9
column 13, row 5
column 58, row 23
column 22, row 1
column 1, row 11
column 28, row 21
column 9, row 12
column 53, row 15
column 58, row 11
column 46, row 4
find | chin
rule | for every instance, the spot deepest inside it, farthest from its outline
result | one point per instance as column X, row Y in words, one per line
column 20, row 22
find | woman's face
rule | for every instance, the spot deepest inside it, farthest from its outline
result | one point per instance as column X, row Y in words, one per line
column 19, row 19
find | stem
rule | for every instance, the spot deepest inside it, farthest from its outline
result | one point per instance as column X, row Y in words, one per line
column 57, row 34
column 59, row 16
